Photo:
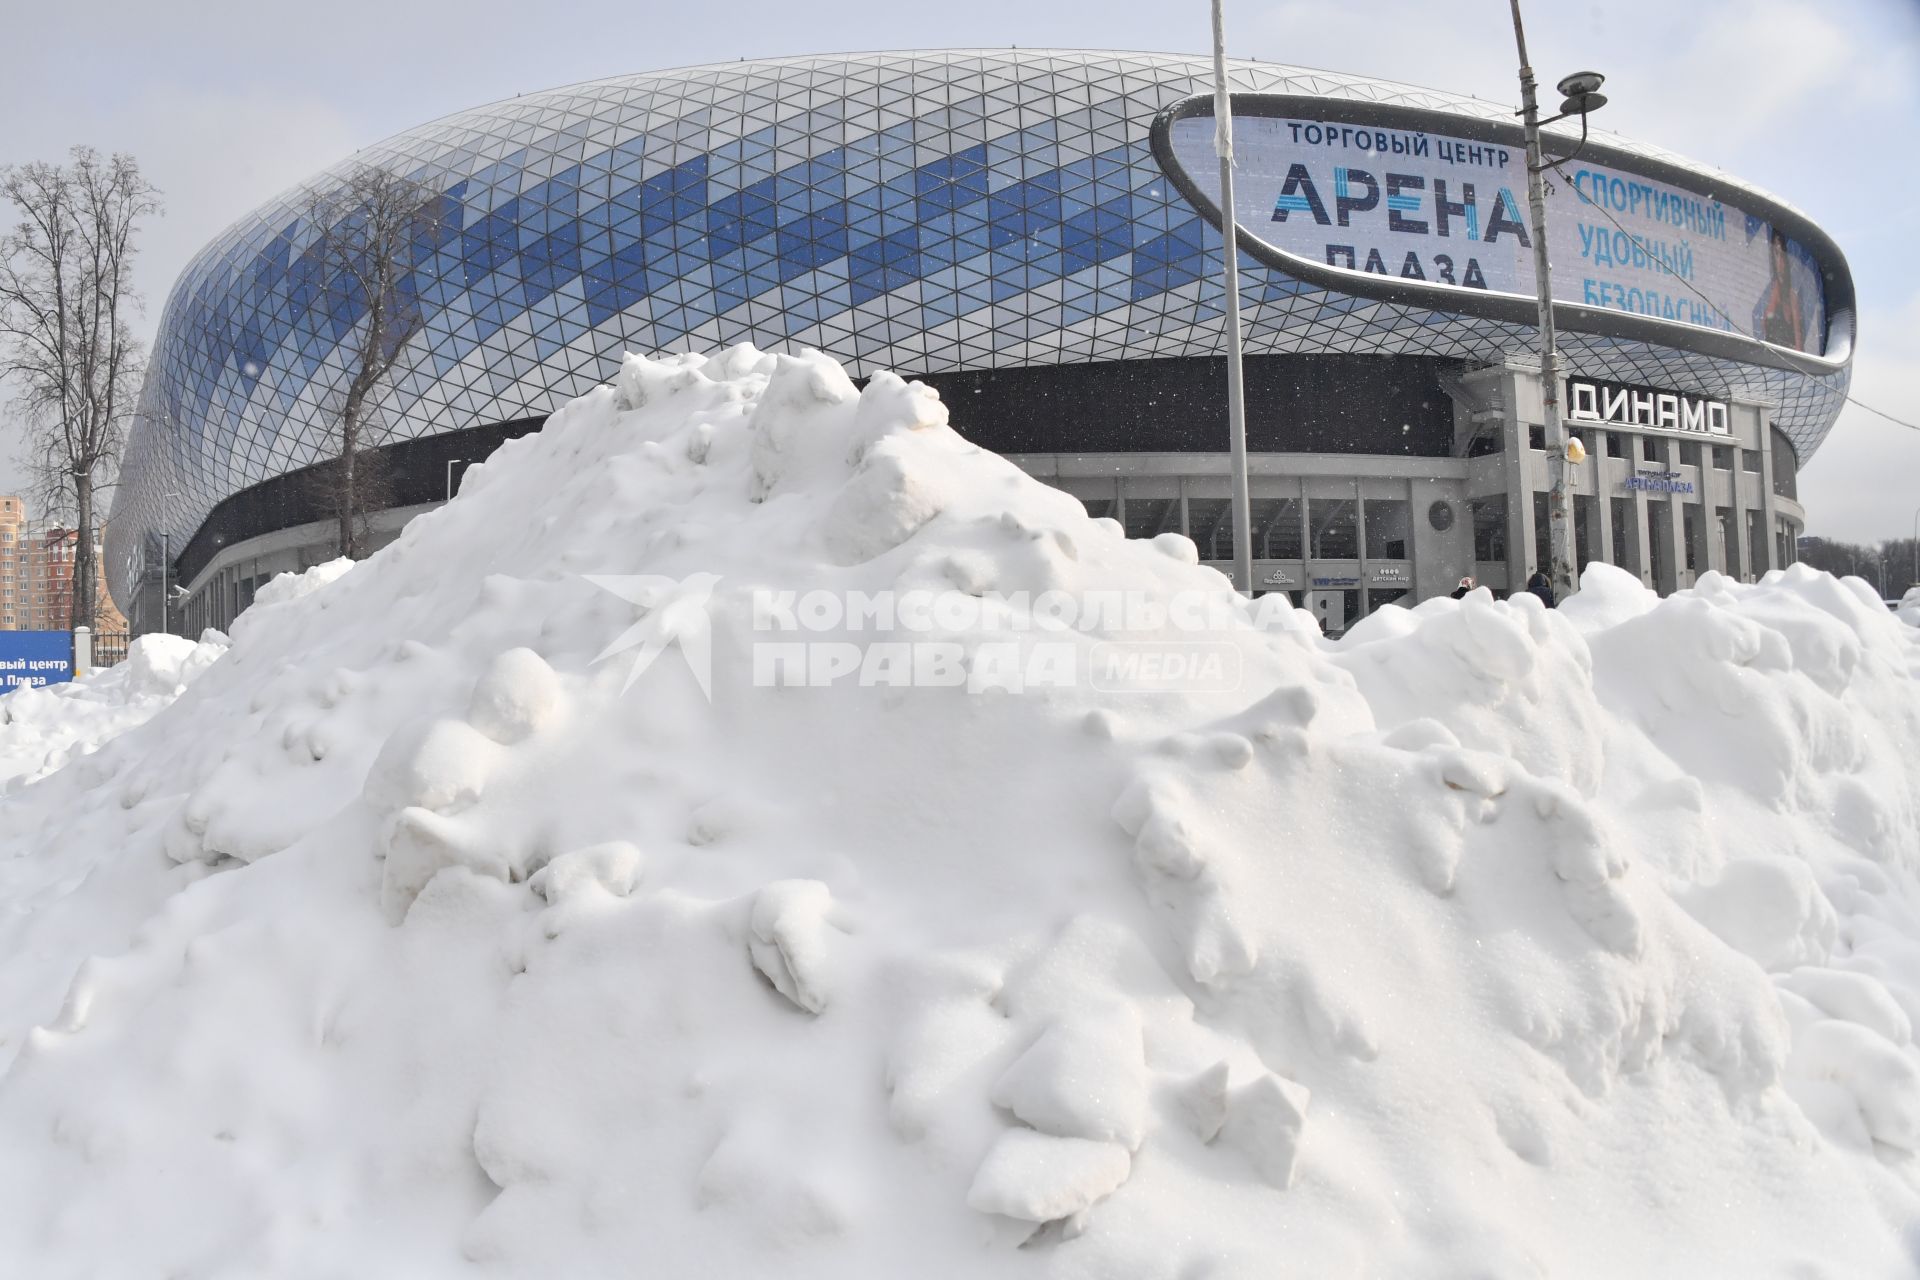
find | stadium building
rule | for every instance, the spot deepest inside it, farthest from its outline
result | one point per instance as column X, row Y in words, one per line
column 1036, row 234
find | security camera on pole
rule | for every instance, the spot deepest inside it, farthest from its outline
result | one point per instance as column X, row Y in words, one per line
column 1581, row 91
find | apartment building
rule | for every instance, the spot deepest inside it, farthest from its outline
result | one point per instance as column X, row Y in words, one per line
column 36, row 575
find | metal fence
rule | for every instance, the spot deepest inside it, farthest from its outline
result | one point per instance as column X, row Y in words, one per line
column 109, row 647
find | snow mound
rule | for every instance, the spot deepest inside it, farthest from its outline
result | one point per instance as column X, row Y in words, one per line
column 485, row 911
column 292, row 586
column 44, row 727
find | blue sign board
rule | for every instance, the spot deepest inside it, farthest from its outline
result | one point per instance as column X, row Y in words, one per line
column 34, row 658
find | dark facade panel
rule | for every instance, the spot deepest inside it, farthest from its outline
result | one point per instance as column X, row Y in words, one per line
column 412, row 472
column 1295, row 404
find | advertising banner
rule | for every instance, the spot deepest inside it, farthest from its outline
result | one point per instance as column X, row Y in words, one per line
column 1447, row 211
column 30, row 658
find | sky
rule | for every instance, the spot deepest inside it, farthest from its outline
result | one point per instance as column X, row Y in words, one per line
column 226, row 103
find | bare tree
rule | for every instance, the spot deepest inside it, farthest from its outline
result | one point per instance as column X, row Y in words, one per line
column 353, row 488
column 1891, row 566
column 368, row 231
column 65, row 295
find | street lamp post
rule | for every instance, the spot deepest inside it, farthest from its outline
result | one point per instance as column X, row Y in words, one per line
column 166, row 558
column 1916, row 549
column 1230, row 251
column 1581, row 90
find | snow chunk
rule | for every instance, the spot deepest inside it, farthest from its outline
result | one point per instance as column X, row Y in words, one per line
column 893, row 493
column 1882, row 1081
column 613, row 868
column 1264, row 1120
column 1909, row 611
column 1177, row 547
column 792, row 940
column 161, row 665
column 801, row 425
column 1035, row 1177
column 889, row 404
column 285, row 587
column 518, row 693
column 1769, row 908
column 443, row 765
column 1851, row 997
column 1204, row 1100
column 642, row 381
column 422, row 844
column 1085, row 1077
column 1608, row 596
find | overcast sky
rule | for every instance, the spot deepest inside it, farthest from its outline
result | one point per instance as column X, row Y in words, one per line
column 227, row 102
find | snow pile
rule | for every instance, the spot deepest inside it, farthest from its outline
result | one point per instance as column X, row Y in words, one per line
column 1909, row 611
column 42, row 728
column 291, row 586
column 446, row 927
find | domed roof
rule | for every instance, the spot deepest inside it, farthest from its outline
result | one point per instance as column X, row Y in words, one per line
column 921, row 211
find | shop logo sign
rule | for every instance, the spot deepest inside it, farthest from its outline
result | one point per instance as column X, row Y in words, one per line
column 1658, row 482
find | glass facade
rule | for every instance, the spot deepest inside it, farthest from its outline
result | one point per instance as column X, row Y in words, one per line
column 925, row 212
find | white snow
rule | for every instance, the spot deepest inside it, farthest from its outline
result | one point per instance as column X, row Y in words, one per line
column 1032, row 1177
column 44, row 727
column 442, row 926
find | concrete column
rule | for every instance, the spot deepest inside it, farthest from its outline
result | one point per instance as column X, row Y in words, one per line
column 1603, row 501
column 1770, row 510
column 1741, row 556
column 1674, row 552
column 1306, row 536
column 1522, row 553
column 1360, row 546
column 1711, row 511
column 1638, row 544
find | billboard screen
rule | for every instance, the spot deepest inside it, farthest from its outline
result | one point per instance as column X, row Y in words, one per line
column 1450, row 211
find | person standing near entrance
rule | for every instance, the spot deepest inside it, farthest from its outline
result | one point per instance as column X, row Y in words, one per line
column 1466, row 585
column 1541, row 585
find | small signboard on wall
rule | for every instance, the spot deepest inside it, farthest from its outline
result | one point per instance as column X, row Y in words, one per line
column 29, row 658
